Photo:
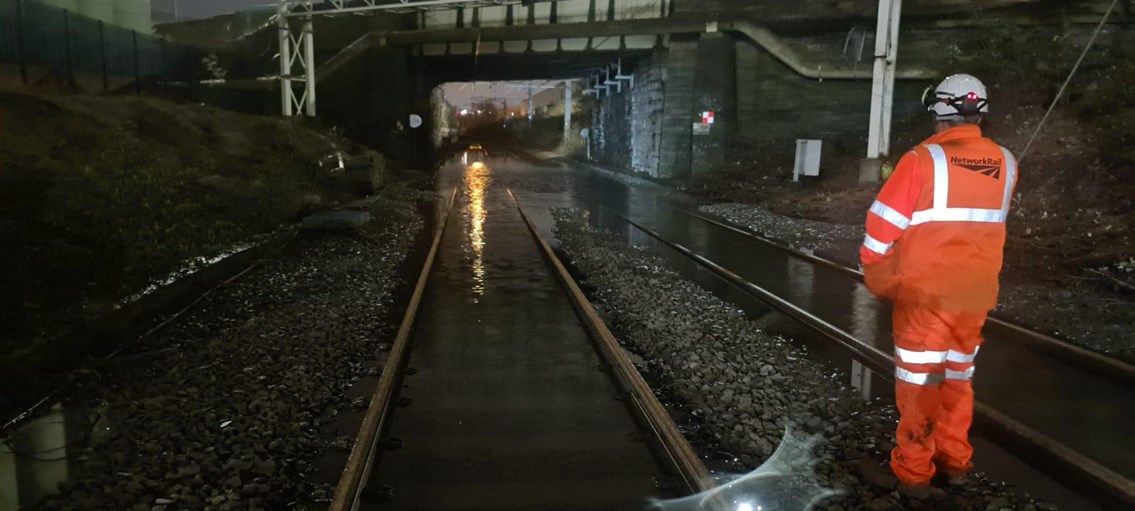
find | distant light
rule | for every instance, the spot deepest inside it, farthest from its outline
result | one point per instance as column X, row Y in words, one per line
column 745, row 506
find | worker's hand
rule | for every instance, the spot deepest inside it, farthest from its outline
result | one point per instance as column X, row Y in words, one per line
column 882, row 278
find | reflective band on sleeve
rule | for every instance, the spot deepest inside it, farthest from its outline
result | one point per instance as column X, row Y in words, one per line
column 918, row 378
column 958, row 215
column 890, row 214
column 959, row 375
column 920, row 357
column 941, row 176
column 876, row 246
column 962, row 358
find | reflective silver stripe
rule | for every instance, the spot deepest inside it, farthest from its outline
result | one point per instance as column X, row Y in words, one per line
column 918, row 378
column 920, row 357
column 959, row 375
column 962, row 358
column 876, row 246
column 939, row 212
column 958, row 215
column 941, row 176
column 890, row 214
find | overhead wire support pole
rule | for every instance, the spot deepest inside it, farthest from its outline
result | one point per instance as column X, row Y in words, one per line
column 296, row 50
column 309, row 66
column 285, row 40
column 883, row 78
column 889, row 79
column 567, row 109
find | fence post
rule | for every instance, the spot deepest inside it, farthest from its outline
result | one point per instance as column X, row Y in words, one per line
column 20, row 40
column 67, row 46
column 137, row 67
column 102, row 54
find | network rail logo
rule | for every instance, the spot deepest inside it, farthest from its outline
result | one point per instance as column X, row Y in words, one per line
column 985, row 166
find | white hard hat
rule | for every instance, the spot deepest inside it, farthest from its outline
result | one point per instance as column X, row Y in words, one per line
column 956, row 97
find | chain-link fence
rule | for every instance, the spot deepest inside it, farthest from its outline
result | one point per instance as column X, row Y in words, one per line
column 33, row 34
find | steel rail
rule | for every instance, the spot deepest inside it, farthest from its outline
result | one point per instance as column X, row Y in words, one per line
column 360, row 462
column 1097, row 363
column 678, row 449
column 1099, row 482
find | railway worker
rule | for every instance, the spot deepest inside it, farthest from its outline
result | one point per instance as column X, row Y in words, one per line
column 934, row 244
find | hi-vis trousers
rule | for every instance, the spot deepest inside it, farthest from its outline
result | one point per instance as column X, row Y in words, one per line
column 934, row 365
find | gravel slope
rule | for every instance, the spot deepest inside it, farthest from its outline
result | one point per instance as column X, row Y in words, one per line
column 225, row 408
column 742, row 386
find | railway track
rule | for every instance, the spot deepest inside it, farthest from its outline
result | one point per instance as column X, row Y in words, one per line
column 1100, row 364
column 1100, row 483
column 363, row 480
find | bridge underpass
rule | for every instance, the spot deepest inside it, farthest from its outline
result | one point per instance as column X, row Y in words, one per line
column 374, row 68
column 682, row 67
column 764, row 75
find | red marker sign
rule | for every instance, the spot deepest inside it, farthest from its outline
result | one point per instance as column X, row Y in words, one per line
column 707, row 117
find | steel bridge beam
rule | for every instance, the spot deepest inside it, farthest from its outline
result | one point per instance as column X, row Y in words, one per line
column 299, row 8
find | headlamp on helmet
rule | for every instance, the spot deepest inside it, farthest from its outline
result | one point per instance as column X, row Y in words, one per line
column 956, row 97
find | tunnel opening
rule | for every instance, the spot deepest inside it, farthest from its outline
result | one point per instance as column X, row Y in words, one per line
column 536, row 115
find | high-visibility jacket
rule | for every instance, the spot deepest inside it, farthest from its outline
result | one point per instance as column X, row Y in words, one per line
column 936, row 231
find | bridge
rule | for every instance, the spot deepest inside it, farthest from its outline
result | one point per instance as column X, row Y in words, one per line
column 651, row 67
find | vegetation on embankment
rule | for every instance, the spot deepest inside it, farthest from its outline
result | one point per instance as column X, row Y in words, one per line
column 100, row 197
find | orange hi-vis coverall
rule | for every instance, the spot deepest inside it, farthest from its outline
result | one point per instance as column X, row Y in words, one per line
column 934, row 245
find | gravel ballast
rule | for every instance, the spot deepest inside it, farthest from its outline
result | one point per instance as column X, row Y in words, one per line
column 225, row 408
column 798, row 232
column 1081, row 315
column 742, row 387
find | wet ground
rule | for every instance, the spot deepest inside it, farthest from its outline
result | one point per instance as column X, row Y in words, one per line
column 1081, row 314
column 511, row 406
column 1009, row 378
column 227, row 407
column 705, row 336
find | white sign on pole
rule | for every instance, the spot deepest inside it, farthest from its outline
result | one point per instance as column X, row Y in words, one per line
column 415, row 121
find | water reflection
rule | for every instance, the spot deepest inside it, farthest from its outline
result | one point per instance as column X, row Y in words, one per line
column 477, row 178
column 864, row 325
